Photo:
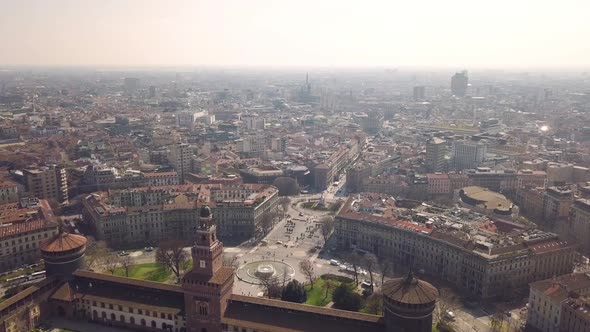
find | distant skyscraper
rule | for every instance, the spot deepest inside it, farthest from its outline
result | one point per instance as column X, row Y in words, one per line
column 459, row 83
column 152, row 90
column 419, row 92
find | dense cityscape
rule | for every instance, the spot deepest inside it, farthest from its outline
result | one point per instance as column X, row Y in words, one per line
column 294, row 166
column 375, row 200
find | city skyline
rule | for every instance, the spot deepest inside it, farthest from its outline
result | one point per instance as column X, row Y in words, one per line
column 456, row 34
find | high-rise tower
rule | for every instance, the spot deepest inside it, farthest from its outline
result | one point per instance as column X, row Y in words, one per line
column 208, row 286
column 459, row 84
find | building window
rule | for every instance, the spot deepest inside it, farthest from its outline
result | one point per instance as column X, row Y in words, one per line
column 203, row 309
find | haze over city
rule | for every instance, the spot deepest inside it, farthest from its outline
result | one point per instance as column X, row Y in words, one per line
column 294, row 166
column 331, row 33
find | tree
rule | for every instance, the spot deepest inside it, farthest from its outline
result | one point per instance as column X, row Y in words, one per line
column 231, row 261
column 287, row 186
column 285, row 202
column 96, row 252
column 272, row 287
column 328, row 285
column 370, row 264
column 386, row 267
column 306, row 267
column 336, row 206
column 267, row 221
column 447, row 301
column 327, row 226
column 171, row 254
column 355, row 261
column 374, row 304
column 294, row 292
column 496, row 321
column 126, row 264
column 285, row 276
column 111, row 262
column 346, row 298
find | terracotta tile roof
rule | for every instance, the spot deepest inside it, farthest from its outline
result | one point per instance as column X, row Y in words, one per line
column 134, row 292
column 549, row 246
column 127, row 281
column 159, row 174
column 63, row 242
column 221, row 276
column 410, row 290
column 434, row 176
column 64, row 293
column 287, row 316
column 25, row 227
column 559, row 288
column 42, row 285
column 7, row 184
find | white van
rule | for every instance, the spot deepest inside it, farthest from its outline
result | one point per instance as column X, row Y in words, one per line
column 450, row 315
column 334, row 262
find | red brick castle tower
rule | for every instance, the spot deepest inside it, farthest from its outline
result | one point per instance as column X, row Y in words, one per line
column 208, row 286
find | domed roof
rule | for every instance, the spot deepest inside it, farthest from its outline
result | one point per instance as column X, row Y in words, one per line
column 205, row 211
column 409, row 290
column 63, row 242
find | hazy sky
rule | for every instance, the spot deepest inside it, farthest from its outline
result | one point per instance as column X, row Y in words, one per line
column 449, row 33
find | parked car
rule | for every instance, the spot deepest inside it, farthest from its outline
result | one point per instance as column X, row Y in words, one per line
column 123, row 253
column 450, row 315
column 148, row 249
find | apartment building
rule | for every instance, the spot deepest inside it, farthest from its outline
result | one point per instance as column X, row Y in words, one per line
column 550, row 301
column 252, row 144
column 326, row 171
column 385, row 184
column 505, row 181
column 579, row 224
column 530, row 200
column 468, row 154
column 438, row 184
column 556, row 204
column 368, row 166
column 8, row 192
column 156, row 179
column 22, row 230
column 575, row 315
column 148, row 215
column 473, row 254
column 180, row 157
column 47, row 182
column 436, row 155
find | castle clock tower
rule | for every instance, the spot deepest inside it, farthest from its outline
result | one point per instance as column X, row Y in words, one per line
column 208, row 286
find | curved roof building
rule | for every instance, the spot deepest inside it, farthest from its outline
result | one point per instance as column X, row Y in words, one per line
column 63, row 254
column 408, row 303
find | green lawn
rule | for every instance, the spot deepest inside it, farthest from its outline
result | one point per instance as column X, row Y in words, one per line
column 317, row 295
column 147, row 271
